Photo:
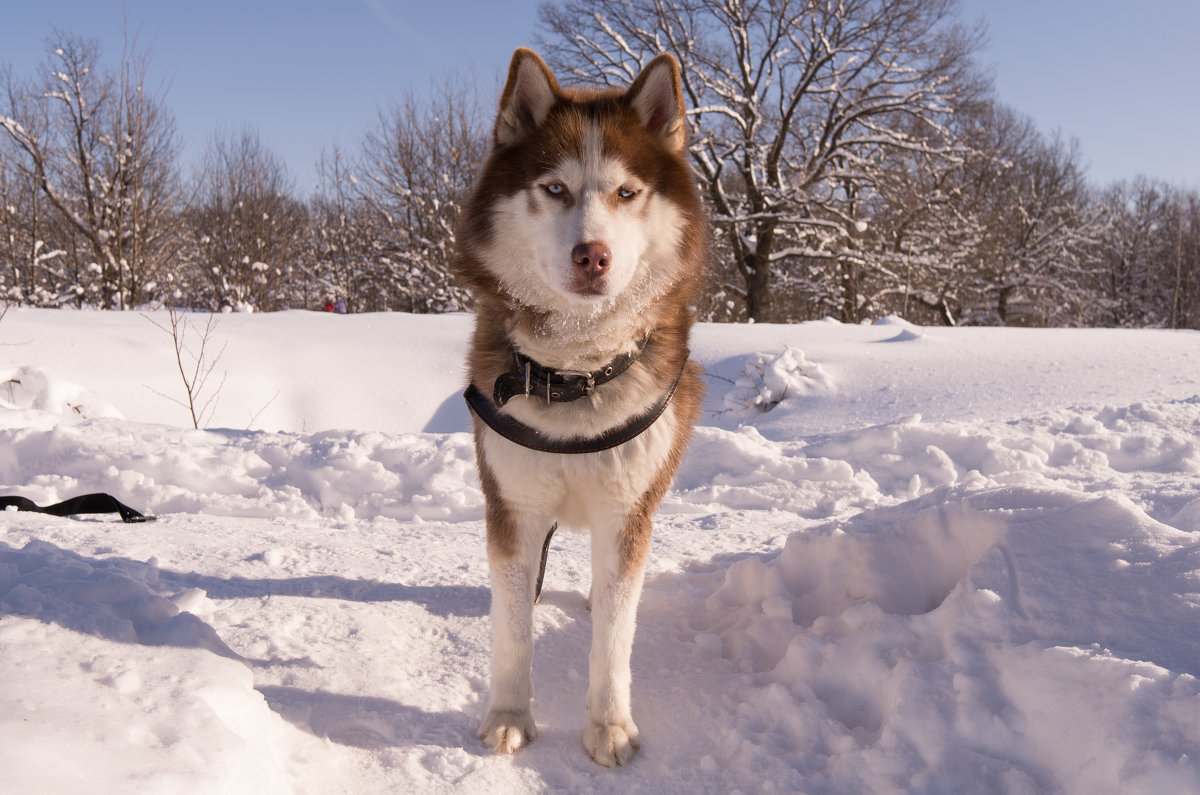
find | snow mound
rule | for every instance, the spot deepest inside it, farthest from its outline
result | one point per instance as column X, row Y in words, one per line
column 821, row 476
column 188, row 720
column 1188, row 517
column 113, row 600
column 894, row 320
column 30, row 390
column 908, row 332
column 965, row 562
column 185, row 722
column 1001, row 617
column 767, row 379
column 341, row 474
column 906, row 335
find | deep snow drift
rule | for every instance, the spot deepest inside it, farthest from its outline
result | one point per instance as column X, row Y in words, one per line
column 895, row 559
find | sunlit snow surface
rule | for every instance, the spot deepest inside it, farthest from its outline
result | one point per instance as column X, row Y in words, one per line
column 895, row 559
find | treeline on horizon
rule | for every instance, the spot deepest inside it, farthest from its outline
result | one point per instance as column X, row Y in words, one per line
column 854, row 159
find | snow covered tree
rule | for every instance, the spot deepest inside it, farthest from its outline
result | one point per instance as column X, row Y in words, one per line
column 30, row 263
column 101, row 148
column 1034, row 263
column 792, row 105
column 347, row 261
column 1002, row 232
column 418, row 162
column 1150, row 262
column 1185, row 293
column 247, row 232
column 918, row 238
column 1134, row 213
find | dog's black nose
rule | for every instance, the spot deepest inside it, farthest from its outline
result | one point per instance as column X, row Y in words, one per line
column 591, row 258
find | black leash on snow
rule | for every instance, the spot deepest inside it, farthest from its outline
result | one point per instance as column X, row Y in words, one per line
column 88, row 503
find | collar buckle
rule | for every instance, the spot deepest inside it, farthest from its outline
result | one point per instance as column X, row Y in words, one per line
column 590, row 378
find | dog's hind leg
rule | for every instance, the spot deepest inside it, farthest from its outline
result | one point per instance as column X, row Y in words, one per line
column 513, row 556
column 618, row 567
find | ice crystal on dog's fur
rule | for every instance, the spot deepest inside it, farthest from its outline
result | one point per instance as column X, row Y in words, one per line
column 583, row 325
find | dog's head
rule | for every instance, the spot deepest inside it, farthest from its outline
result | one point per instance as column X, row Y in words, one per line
column 586, row 197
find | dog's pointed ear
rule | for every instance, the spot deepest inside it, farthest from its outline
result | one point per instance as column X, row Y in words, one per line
column 528, row 96
column 657, row 99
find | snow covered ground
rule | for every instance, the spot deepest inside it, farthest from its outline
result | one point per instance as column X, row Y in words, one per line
column 896, row 559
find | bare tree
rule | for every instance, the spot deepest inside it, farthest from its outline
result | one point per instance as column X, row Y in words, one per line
column 792, row 102
column 101, row 148
column 195, row 363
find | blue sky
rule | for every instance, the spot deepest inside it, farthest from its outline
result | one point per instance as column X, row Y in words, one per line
column 1121, row 77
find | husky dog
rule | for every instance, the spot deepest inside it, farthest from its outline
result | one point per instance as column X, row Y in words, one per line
column 583, row 243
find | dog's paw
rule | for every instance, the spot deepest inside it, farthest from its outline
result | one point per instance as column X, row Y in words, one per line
column 505, row 732
column 612, row 744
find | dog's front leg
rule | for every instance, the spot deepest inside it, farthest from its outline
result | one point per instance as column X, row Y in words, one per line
column 513, row 558
column 618, row 566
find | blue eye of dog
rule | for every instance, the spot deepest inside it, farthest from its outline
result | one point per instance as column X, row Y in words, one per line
column 626, row 193
column 555, row 189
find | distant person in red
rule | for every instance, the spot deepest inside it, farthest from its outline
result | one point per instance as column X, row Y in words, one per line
column 328, row 305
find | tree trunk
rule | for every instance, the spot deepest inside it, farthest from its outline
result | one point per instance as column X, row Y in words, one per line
column 1002, row 305
column 755, row 266
column 849, row 292
column 758, row 282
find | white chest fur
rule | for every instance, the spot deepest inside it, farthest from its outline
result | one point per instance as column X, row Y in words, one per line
column 593, row 490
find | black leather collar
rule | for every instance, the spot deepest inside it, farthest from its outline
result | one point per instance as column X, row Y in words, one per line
column 559, row 386
column 526, row 436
